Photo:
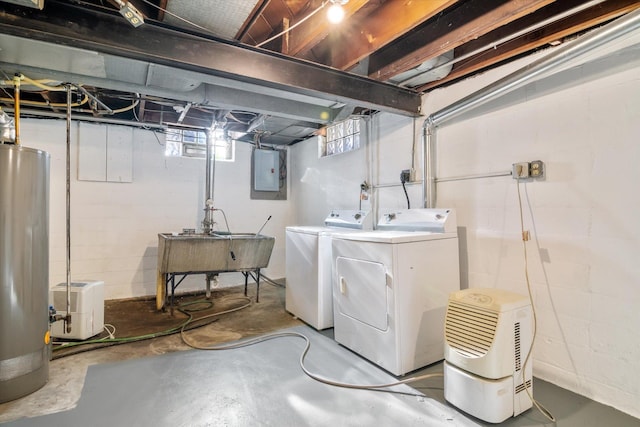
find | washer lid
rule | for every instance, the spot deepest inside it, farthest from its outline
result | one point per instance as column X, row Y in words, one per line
column 306, row 229
column 317, row 230
column 394, row 236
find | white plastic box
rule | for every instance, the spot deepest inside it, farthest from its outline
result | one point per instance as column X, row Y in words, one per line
column 87, row 309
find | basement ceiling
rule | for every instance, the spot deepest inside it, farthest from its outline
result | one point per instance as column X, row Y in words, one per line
column 273, row 70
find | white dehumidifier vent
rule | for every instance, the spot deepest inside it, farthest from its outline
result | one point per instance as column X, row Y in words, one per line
column 87, row 309
column 488, row 333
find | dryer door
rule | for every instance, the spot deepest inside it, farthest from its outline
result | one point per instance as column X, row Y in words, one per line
column 361, row 291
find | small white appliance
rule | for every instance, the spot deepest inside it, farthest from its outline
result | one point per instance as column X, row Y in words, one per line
column 391, row 287
column 488, row 334
column 308, row 293
column 87, row 309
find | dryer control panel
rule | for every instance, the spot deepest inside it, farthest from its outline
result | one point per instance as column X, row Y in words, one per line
column 347, row 218
column 434, row 220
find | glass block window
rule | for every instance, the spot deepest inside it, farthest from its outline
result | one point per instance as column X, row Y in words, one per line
column 341, row 137
column 193, row 143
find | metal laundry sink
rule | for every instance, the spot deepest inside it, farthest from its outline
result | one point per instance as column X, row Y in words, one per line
column 219, row 252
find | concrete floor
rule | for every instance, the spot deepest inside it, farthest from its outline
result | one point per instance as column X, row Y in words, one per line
column 137, row 317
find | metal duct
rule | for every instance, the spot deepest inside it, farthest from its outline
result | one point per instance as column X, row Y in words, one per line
column 541, row 67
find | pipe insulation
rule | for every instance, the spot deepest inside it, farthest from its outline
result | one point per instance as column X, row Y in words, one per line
column 542, row 67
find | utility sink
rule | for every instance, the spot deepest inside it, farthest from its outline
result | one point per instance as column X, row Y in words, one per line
column 219, row 252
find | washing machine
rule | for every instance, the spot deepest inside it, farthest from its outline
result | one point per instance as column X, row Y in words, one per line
column 309, row 263
column 391, row 287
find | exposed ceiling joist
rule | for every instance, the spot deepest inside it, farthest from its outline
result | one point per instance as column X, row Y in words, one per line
column 581, row 21
column 466, row 22
column 316, row 28
column 69, row 25
column 356, row 41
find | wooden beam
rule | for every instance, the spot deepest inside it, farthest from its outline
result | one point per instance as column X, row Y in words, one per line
column 162, row 6
column 388, row 22
column 316, row 28
column 471, row 20
column 253, row 17
column 574, row 24
column 141, row 109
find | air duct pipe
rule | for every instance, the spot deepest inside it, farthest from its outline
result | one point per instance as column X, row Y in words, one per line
column 207, row 223
column 538, row 25
column 541, row 67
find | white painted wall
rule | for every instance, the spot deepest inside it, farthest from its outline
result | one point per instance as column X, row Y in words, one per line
column 114, row 226
column 583, row 259
column 322, row 184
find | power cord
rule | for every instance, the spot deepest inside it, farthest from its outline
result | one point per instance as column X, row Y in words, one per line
column 310, row 374
column 108, row 342
column 403, row 179
column 525, row 237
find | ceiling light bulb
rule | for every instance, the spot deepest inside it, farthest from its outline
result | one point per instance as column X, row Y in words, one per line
column 335, row 13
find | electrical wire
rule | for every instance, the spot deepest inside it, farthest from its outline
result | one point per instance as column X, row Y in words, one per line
column 544, row 411
column 178, row 17
column 262, row 43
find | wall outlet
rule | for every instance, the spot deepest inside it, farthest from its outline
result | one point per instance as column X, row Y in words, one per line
column 536, row 169
column 520, row 170
column 405, row 175
column 532, row 169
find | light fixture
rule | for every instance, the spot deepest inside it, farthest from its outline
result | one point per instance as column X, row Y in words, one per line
column 335, row 13
column 130, row 13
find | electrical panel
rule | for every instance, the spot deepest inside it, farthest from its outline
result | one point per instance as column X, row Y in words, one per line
column 266, row 170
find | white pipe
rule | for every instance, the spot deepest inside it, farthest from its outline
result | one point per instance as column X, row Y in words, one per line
column 67, row 320
column 513, row 81
column 478, row 176
column 76, row 117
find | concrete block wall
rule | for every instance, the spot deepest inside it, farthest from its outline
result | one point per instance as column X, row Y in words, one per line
column 583, row 259
column 114, row 226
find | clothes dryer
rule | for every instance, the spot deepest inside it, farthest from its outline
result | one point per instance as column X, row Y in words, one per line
column 391, row 288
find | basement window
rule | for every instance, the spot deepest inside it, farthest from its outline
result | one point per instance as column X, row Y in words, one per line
column 341, row 137
column 193, row 143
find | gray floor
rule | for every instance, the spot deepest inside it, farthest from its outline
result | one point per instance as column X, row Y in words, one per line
column 264, row 385
column 159, row 382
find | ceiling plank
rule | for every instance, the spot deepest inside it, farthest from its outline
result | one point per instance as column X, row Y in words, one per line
column 471, row 20
column 392, row 19
column 574, row 24
column 316, row 28
column 69, row 25
column 253, row 17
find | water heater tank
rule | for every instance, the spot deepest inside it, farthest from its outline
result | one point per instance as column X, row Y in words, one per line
column 24, row 270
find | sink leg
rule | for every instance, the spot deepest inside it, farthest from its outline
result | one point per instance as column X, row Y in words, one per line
column 173, row 288
column 208, row 291
column 258, row 285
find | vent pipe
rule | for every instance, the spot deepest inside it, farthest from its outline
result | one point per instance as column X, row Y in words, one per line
column 537, row 69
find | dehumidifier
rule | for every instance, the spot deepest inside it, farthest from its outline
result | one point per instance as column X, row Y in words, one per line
column 87, row 309
column 488, row 333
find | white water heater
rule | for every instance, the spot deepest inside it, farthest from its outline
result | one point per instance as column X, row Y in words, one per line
column 87, row 309
column 488, row 333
